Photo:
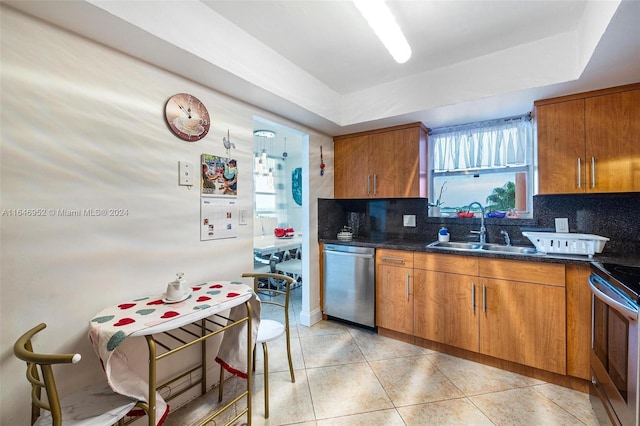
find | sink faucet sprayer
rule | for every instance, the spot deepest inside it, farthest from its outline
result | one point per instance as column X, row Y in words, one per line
column 507, row 240
column 483, row 230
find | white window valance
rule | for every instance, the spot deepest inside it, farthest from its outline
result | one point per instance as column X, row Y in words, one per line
column 486, row 145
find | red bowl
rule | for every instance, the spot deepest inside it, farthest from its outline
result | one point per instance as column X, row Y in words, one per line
column 466, row 214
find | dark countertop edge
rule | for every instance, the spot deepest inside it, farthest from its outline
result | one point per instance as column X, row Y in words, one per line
column 543, row 258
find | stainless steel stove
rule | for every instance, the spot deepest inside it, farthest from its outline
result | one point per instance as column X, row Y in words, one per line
column 615, row 367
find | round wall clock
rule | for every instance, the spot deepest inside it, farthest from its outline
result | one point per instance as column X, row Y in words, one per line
column 187, row 117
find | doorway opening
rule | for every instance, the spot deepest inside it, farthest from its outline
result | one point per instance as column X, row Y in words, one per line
column 278, row 214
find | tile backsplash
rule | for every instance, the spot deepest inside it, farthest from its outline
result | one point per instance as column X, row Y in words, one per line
column 608, row 215
column 614, row 216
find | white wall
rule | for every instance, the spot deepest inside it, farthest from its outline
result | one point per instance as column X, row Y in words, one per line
column 83, row 128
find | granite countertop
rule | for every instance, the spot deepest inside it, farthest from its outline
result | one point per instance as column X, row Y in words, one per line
column 410, row 245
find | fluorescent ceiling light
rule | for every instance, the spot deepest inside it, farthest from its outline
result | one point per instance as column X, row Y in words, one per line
column 386, row 28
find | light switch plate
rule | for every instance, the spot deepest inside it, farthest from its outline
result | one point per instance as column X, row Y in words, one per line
column 562, row 224
column 243, row 216
column 185, row 173
column 409, row 220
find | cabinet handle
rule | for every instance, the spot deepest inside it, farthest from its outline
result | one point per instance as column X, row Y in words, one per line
column 473, row 296
column 375, row 184
column 579, row 172
column 408, row 278
column 484, row 298
column 593, row 172
column 368, row 184
column 392, row 259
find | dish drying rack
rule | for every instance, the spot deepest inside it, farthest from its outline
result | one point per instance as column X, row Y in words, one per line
column 567, row 243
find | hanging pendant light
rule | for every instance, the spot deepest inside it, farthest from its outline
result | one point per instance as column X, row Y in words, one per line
column 269, row 134
column 263, row 135
column 285, row 154
column 270, row 169
column 263, row 154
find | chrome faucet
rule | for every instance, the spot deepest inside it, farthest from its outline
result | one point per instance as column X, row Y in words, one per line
column 483, row 230
column 507, row 239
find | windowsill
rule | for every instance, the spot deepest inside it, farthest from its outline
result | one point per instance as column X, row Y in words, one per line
column 522, row 221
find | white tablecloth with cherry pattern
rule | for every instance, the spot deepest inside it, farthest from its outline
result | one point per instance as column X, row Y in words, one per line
column 150, row 315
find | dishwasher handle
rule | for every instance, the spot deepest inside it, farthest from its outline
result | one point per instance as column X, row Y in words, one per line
column 349, row 254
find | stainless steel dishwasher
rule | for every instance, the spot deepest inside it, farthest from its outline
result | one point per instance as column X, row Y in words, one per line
column 349, row 284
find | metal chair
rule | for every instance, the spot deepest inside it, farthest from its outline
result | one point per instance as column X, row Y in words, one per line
column 290, row 265
column 95, row 404
column 270, row 330
column 267, row 265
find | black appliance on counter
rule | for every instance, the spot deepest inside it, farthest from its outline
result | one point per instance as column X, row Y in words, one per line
column 614, row 362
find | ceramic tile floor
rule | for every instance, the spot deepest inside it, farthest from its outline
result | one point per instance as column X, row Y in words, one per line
column 349, row 376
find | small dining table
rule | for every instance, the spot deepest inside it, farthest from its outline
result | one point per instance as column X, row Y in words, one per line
column 268, row 244
column 169, row 327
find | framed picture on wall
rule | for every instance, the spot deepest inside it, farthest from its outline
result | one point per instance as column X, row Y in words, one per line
column 219, row 176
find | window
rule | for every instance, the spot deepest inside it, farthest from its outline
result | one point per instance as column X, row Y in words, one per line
column 489, row 162
column 269, row 188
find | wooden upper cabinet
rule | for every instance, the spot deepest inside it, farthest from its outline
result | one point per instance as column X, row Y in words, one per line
column 351, row 160
column 386, row 163
column 613, row 149
column 561, row 149
column 588, row 142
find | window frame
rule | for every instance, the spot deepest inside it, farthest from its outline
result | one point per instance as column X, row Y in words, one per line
column 279, row 189
column 528, row 168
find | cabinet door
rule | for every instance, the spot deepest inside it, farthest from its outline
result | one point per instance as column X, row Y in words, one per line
column 524, row 323
column 352, row 178
column 561, row 147
column 394, row 299
column 612, row 129
column 395, row 163
column 578, row 321
column 446, row 308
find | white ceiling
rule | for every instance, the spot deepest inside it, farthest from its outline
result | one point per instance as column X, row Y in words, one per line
column 318, row 63
column 331, row 40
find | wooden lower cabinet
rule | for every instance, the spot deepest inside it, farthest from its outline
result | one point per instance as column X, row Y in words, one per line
column 394, row 293
column 578, row 321
column 481, row 311
column 524, row 323
column 445, row 310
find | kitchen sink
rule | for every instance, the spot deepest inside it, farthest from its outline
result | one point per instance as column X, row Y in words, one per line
column 486, row 247
column 509, row 249
column 456, row 246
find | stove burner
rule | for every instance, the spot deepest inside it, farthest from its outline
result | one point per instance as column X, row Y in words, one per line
column 628, row 271
column 627, row 276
